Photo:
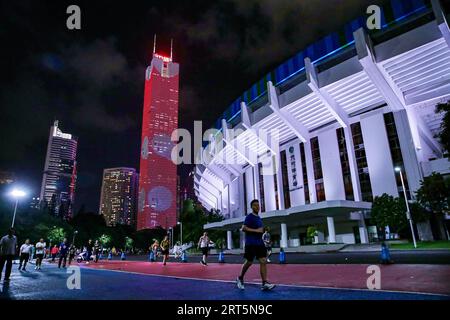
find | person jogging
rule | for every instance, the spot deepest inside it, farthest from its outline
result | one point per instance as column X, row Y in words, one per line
column 40, row 251
column 24, row 254
column 63, row 250
column 165, row 245
column 254, row 247
column 203, row 243
column 267, row 242
column 8, row 245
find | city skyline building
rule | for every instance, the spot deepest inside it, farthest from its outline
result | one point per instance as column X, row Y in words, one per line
column 60, row 173
column 157, row 204
column 118, row 198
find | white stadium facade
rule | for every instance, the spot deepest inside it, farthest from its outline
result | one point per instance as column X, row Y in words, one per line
column 347, row 111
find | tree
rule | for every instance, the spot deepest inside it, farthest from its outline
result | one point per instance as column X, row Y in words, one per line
column 434, row 192
column 389, row 211
column 194, row 218
column 104, row 239
column 89, row 225
column 128, row 243
column 418, row 212
column 444, row 135
column 144, row 238
column 311, row 232
column 56, row 235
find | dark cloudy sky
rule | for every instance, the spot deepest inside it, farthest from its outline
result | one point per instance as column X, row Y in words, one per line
column 92, row 79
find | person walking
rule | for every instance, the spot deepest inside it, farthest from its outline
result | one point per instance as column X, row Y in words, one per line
column 154, row 248
column 96, row 251
column 8, row 245
column 63, row 251
column 204, row 243
column 267, row 242
column 32, row 253
column 89, row 247
column 72, row 251
column 40, row 252
column 254, row 247
column 24, row 254
column 54, row 252
column 165, row 245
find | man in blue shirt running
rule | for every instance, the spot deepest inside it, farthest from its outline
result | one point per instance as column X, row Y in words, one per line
column 254, row 247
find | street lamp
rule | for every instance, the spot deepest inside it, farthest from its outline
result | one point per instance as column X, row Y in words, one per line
column 171, row 235
column 16, row 194
column 408, row 213
column 73, row 239
column 181, row 231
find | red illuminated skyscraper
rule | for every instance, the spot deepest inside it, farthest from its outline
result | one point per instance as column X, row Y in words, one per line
column 158, row 174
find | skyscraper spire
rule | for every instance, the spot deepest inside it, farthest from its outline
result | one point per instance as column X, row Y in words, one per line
column 154, row 44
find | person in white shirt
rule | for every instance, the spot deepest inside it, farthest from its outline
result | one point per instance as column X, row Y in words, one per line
column 204, row 243
column 40, row 251
column 24, row 254
column 8, row 246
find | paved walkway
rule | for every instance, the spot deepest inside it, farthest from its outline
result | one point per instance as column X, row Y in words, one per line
column 407, row 278
column 104, row 284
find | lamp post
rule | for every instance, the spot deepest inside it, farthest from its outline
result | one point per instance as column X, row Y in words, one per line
column 408, row 213
column 171, row 236
column 73, row 239
column 181, row 231
column 16, row 194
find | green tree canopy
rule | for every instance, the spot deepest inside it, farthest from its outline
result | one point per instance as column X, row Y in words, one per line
column 104, row 239
column 56, row 235
column 433, row 193
column 194, row 217
column 389, row 211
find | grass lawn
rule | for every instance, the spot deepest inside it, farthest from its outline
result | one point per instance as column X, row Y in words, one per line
column 442, row 244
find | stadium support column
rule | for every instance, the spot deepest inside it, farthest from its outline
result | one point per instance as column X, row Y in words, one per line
column 229, row 240
column 331, row 231
column 362, row 229
column 352, row 163
column 283, row 242
column 242, row 239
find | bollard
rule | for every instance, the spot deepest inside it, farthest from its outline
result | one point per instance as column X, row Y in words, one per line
column 184, row 257
column 122, row 256
column 221, row 257
column 282, row 256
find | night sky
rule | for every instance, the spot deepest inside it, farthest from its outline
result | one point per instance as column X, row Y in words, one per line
column 92, row 79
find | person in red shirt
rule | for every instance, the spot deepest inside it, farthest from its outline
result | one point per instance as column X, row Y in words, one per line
column 54, row 252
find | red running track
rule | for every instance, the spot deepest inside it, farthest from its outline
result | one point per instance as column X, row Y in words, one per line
column 397, row 277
